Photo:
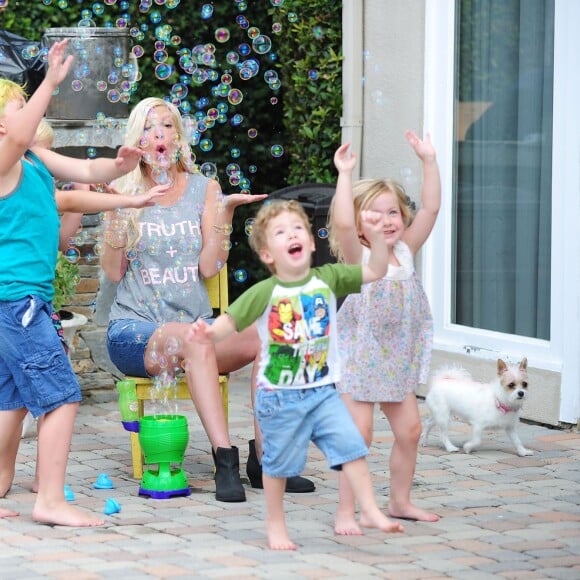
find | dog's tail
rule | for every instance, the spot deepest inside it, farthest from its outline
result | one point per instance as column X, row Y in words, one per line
column 451, row 372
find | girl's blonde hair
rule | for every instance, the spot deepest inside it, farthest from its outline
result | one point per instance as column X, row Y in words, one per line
column 136, row 180
column 365, row 192
column 44, row 136
column 9, row 91
column 268, row 212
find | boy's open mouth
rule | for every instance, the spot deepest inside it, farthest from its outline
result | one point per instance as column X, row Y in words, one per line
column 295, row 249
column 161, row 149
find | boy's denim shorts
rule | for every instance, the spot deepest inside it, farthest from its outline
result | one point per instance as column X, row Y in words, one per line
column 35, row 371
column 127, row 341
column 290, row 418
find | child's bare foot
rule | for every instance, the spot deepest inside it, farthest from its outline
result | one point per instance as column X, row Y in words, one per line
column 346, row 525
column 378, row 520
column 412, row 512
column 278, row 538
column 4, row 513
column 63, row 514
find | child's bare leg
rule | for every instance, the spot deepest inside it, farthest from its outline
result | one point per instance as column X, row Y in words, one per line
column 35, row 482
column 405, row 423
column 278, row 538
column 54, row 438
column 371, row 516
column 345, row 520
column 345, row 523
column 10, row 432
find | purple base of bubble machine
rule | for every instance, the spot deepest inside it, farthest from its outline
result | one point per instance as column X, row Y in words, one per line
column 132, row 426
column 167, row 494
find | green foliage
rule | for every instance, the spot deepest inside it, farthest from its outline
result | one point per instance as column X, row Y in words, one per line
column 65, row 282
column 310, row 64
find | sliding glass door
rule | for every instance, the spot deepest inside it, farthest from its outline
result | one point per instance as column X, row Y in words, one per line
column 502, row 171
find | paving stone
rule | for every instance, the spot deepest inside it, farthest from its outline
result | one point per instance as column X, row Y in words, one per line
column 502, row 516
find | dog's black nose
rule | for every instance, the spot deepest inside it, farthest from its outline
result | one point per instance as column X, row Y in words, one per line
column 521, row 394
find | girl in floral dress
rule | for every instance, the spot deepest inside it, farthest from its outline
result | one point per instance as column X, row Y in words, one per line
column 386, row 330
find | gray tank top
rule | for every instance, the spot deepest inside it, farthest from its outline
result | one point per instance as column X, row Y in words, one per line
column 162, row 282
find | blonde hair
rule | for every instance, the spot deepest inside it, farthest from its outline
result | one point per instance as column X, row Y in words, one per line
column 135, row 181
column 365, row 192
column 44, row 136
column 268, row 212
column 9, row 91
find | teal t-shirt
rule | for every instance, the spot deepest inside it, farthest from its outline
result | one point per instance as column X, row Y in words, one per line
column 29, row 234
column 297, row 325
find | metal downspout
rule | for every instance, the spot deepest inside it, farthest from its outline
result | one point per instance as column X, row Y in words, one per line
column 352, row 78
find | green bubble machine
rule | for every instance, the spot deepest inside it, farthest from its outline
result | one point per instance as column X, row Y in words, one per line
column 164, row 440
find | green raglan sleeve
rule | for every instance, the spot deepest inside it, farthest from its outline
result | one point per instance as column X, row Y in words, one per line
column 342, row 279
column 246, row 309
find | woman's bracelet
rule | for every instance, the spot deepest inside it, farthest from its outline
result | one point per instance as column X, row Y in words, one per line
column 225, row 229
column 115, row 239
column 116, row 224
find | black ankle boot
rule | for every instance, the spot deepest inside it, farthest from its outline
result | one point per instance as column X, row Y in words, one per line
column 294, row 484
column 228, row 485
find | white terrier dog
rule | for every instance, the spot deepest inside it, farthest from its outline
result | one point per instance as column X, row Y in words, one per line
column 484, row 406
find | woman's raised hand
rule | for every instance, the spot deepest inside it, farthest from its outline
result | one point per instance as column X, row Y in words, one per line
column 234, row 200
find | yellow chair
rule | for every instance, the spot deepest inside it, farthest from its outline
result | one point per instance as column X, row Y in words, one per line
column 217, row 288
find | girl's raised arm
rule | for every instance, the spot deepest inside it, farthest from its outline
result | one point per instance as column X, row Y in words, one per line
column 342, row 220
column 418, row 232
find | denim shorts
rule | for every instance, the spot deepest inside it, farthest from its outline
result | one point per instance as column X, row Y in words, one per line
column 35, row 371
column 290, row 418
column 127, row 341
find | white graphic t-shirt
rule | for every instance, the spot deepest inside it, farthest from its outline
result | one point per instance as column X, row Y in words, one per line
column 297, row 325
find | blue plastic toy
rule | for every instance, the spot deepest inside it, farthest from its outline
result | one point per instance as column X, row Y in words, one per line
column 68, row 493
column 103, row 482
column 112, row 507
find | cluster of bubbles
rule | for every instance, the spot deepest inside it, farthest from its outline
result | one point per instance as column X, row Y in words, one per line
column 182, row 67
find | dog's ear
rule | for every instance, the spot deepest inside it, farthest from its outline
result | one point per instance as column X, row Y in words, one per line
column 524, row 364
column 501, row 367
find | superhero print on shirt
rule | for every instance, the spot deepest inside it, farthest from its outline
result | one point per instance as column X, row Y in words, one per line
column 298, row 327
column 316, row 314
column 284, row 323
column 315, row 367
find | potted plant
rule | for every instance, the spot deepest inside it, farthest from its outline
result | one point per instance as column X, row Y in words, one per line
column 66, row 278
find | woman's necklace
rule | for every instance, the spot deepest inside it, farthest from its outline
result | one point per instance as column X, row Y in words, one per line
column 175, row 193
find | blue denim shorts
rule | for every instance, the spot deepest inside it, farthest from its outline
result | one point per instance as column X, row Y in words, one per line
column 127, row 341
column 35, row 371
column 290, row 418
